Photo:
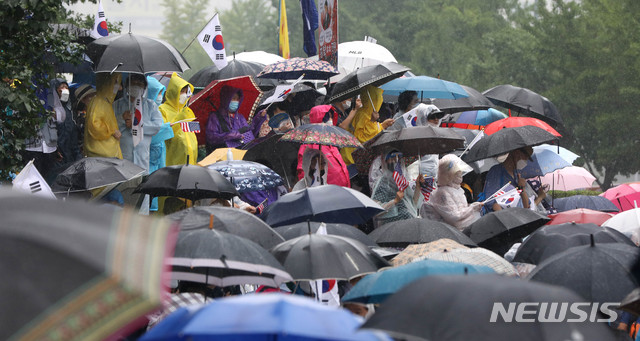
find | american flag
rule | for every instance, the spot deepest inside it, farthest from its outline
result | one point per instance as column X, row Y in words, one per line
column 427, row 187
column 190, row 127
column 399, row 178
column 260, row 207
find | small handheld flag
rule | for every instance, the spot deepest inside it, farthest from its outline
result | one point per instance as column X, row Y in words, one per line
column 210, row 38
column 399, row 178
column 427, row 188
column 136, row 124
column 260, row 207
column 29, row 180
column 190, row 127
column 100, row 26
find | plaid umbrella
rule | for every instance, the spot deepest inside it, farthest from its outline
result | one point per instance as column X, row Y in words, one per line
column 74, row 271
column 324, row 134
column 295, row 67
column 416, row 251
column 477, row 256
column 208, row 100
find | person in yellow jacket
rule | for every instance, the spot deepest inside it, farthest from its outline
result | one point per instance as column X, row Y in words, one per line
column 365, row 122
column 101, row 133
column 175, row 109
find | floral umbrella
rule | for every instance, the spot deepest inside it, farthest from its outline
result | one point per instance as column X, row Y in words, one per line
column 208, row 100
column 248, row 176
column 295, row 67
column 324, row 134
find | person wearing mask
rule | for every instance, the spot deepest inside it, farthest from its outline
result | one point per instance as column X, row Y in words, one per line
column 344, row 113
column 337, row 172
column 68, row 145
column 407, row 100
column 507, row 172
column 101, row 133
column 183, row 146
column 82, row 94
column 157, row 149
column 421, row 115
column 448, row 201
column 314, row 164
column 227, row 127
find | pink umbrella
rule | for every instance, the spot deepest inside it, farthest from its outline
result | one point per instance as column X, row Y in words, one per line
column 624, row 196
column 568, row 178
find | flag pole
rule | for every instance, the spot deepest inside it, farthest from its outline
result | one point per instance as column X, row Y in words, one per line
column 196, row 36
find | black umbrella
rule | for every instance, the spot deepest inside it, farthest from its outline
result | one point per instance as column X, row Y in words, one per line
column 463, row 308
column 281, row 157
column 592, row 202
column 215, row 257
column 498, row 230
column 187, row 181
column 419, row 140
column 551, row 240
column 475, row 101
column 226, row 219
column 325, row 203
column 68, row 260
column 598, row 272
column 136, row 54
column 93, row 172
column 235, row 68
column 524, row 101
column 506, row 140
column 296, row 230
column 375, row 75
column 315, row 256
column 417, row 231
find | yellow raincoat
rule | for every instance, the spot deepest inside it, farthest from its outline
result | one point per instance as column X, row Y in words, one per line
column 101, row 121
column 363, row 128
column 182, row 144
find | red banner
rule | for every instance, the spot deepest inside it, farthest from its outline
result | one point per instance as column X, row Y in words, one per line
column 328, row 37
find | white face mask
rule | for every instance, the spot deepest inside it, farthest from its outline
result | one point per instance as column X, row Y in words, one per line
column 159, row 99
column 64, row 95
column 136, row 91
column 457, row 178
column 116, row 88
column 521, row 164
column 347, row 105
column 183, row 98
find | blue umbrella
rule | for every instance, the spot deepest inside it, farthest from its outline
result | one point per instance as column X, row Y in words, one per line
column 480, row 117
column 427, row 87
column 544, row 161
column 592, row 202
column 376, row 287
column 565, row 153
column 248, row 176
column 261, row 317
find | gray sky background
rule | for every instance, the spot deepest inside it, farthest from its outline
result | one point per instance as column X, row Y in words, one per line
column 146, row 16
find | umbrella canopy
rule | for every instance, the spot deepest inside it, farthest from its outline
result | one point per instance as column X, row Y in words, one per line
column 260, row 57
column 300, row 229
column 565, row 153
column 315, row 256
column 543, row 162
column 426, row 87
column 524, row 101
column 187, row 181
column 419, row 140
column 431, row 308
column 402, row 233
column 136, row 54
column 511, row 122
column 94, row 172
column 377, row 287
column 230, row 220
column 234, row 69
column 475, row 256
column 475, row 101
column 325, row 203
column 568, row 178
column 597, row 272
column 295, row 67
column 498, row 230
column 551, row 240
column 208, row 101
column 625, row 196
column 281, row 157
column 415, row 251
column 66, row 261
column 353, row 55
column 261, row 317
column 580, row 216
column 474, row 119
column 248, row 176
column 321, row 133
column 627, row 222
column 631, row 302
column 214, row 257
column 506, row 140
column 375, row 75
column 592, row 202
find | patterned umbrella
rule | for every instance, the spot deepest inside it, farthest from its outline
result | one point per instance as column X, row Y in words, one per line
column 248, row 176
column 324, row 134
column 415, row 251
column 477, row 256
column 295, row 67
column 208, row 100
column 74, row 271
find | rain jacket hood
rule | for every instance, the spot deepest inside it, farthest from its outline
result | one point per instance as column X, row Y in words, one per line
column 172, row 96
column 101, row 121
column 226, row 93
column 154, row 88
column 183, row 145
column 317, row 113
column 363, row 128
column 311, row 180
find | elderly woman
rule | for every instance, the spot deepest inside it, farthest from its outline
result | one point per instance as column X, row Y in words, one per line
column 448, row 201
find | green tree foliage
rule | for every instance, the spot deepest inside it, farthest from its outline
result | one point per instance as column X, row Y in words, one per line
column 250, row 25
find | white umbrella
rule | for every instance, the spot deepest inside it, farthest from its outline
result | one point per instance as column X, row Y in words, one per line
column 628, row 223
column 261, row 57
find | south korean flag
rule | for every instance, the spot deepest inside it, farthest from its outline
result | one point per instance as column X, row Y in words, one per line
column 210, row 39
